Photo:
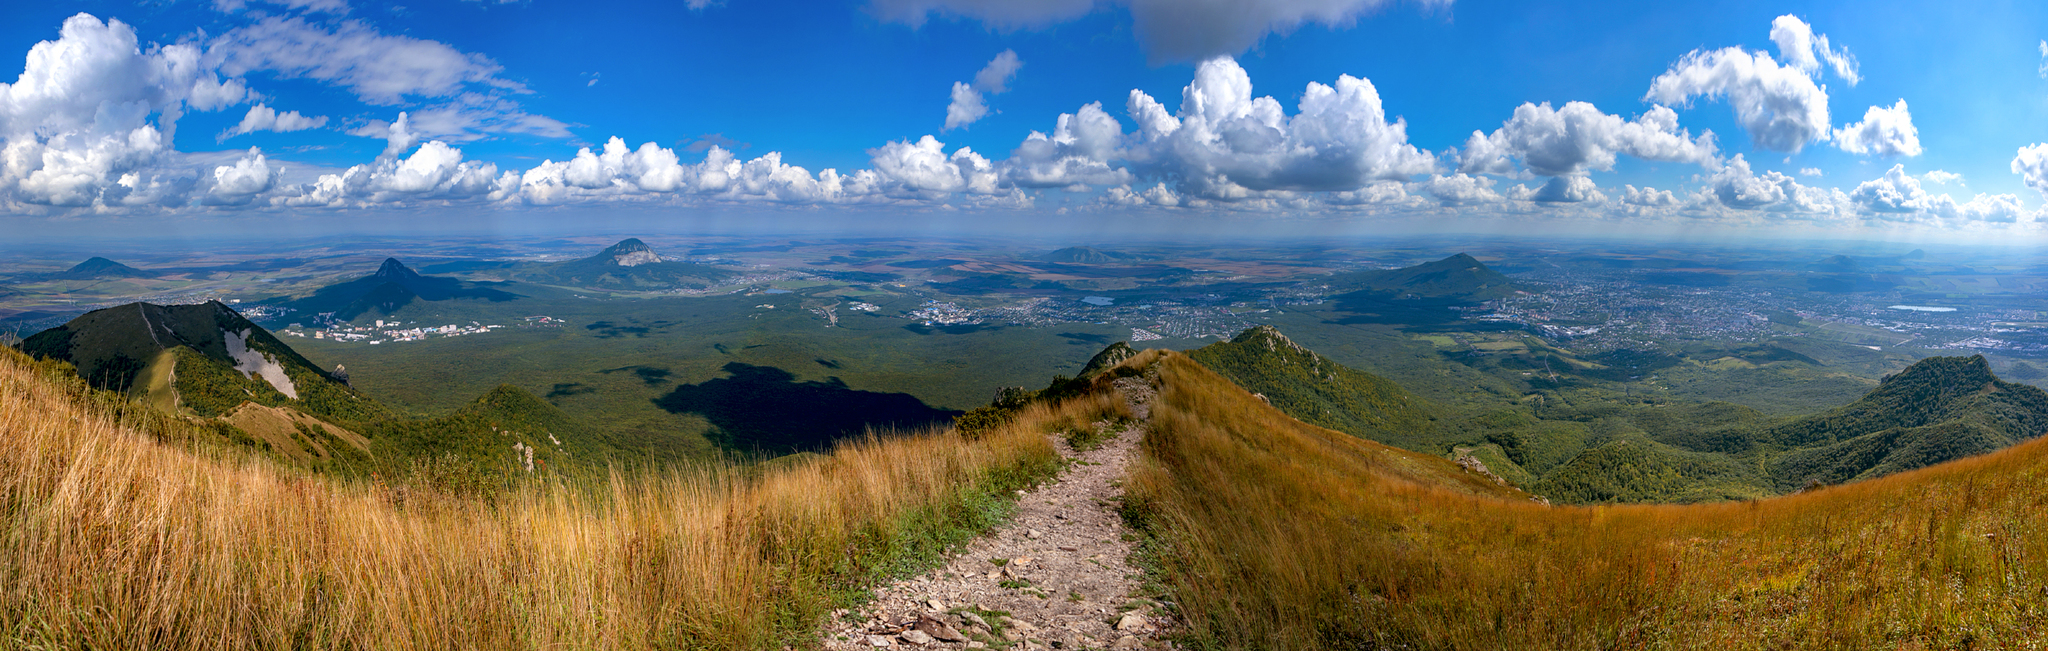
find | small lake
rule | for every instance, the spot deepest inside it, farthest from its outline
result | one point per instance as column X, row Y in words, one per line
column 1101, row 301
column 1923, row 308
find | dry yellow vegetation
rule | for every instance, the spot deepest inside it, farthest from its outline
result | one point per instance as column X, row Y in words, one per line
column 116, row 533
column 1273, row 534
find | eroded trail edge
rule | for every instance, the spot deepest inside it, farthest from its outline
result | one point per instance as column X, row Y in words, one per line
column 1056, row 576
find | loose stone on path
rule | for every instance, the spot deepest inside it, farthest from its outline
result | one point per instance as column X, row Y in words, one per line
column 1056, row 576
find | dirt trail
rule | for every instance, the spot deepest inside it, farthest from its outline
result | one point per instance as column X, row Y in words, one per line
column 1054, row 577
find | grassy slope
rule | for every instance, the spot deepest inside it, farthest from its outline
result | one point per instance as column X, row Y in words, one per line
column 118, row 532
column 1276, row 534
column 1324, row 393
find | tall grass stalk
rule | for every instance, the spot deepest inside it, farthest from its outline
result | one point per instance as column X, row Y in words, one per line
column 1273, row 534
column 112, row 537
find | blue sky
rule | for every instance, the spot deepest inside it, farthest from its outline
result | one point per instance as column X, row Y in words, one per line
column 139, row 119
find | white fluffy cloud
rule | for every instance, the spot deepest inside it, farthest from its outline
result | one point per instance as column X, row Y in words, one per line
column 1647, row 196
column 237, row 184
column 1158, row 195
column 1805, row 50
column 1461, row 189
column 1078, row 152
column 1735, row 186
column 1887, row 132
column 264, row 118
column 1897, row 196
column 1939, row 177
column 925, row 167
column 2031, row 163
column 1780, row 106
column 966, row 108
column 1226, row 145
column 1895, row 192
column 1579, row 138
column 434, row 171
column 1179, row 30
column 76, row 123
column 1574, row 188
column 968, row 104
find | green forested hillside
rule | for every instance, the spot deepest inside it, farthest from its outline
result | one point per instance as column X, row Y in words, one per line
column 1572, row 450
column 1939, row 409
column 1321, row 392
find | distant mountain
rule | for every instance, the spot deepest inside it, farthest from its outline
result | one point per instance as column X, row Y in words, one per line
column 393, row 286
column 1085, row 255
column 206, row 359
column 1460, row 277
column 1938, row 409
column 627, row 265
column 1318, row 391
column 98, row 267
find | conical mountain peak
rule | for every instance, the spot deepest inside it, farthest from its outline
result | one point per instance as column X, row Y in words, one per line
column 630, row 252
column 392, row 269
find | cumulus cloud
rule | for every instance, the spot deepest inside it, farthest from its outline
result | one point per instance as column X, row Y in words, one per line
column 1805, row 50
column 1647, row 196
column 2031, row 163
column 1939, row 177
column 1169, row 30
column 1224, row 144
column 238, row 184
column 1809, row 171
column 1461, row 189
column 1575, row 188
column 1984, row 208
column 1735, row 186
column 1078, row 152
column 1781, row 107
column 968, row 105
column 1897, row 196
column 966, row 108
column 924, row 166
column 1884, row 132
column 994, row 78
column 264, row 118
column 1158, row 195
column 1895, row 192
column 434, row 171
column 398, row 136
column 1579, row 138
column 77, row 122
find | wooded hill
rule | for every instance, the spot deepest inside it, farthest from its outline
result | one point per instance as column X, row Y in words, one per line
column 1939, row 409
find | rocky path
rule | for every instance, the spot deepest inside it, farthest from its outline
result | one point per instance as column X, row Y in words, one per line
column 1055, row 577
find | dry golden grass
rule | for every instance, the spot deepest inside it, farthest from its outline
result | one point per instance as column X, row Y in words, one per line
column 111, row 538
column 1276, row 534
